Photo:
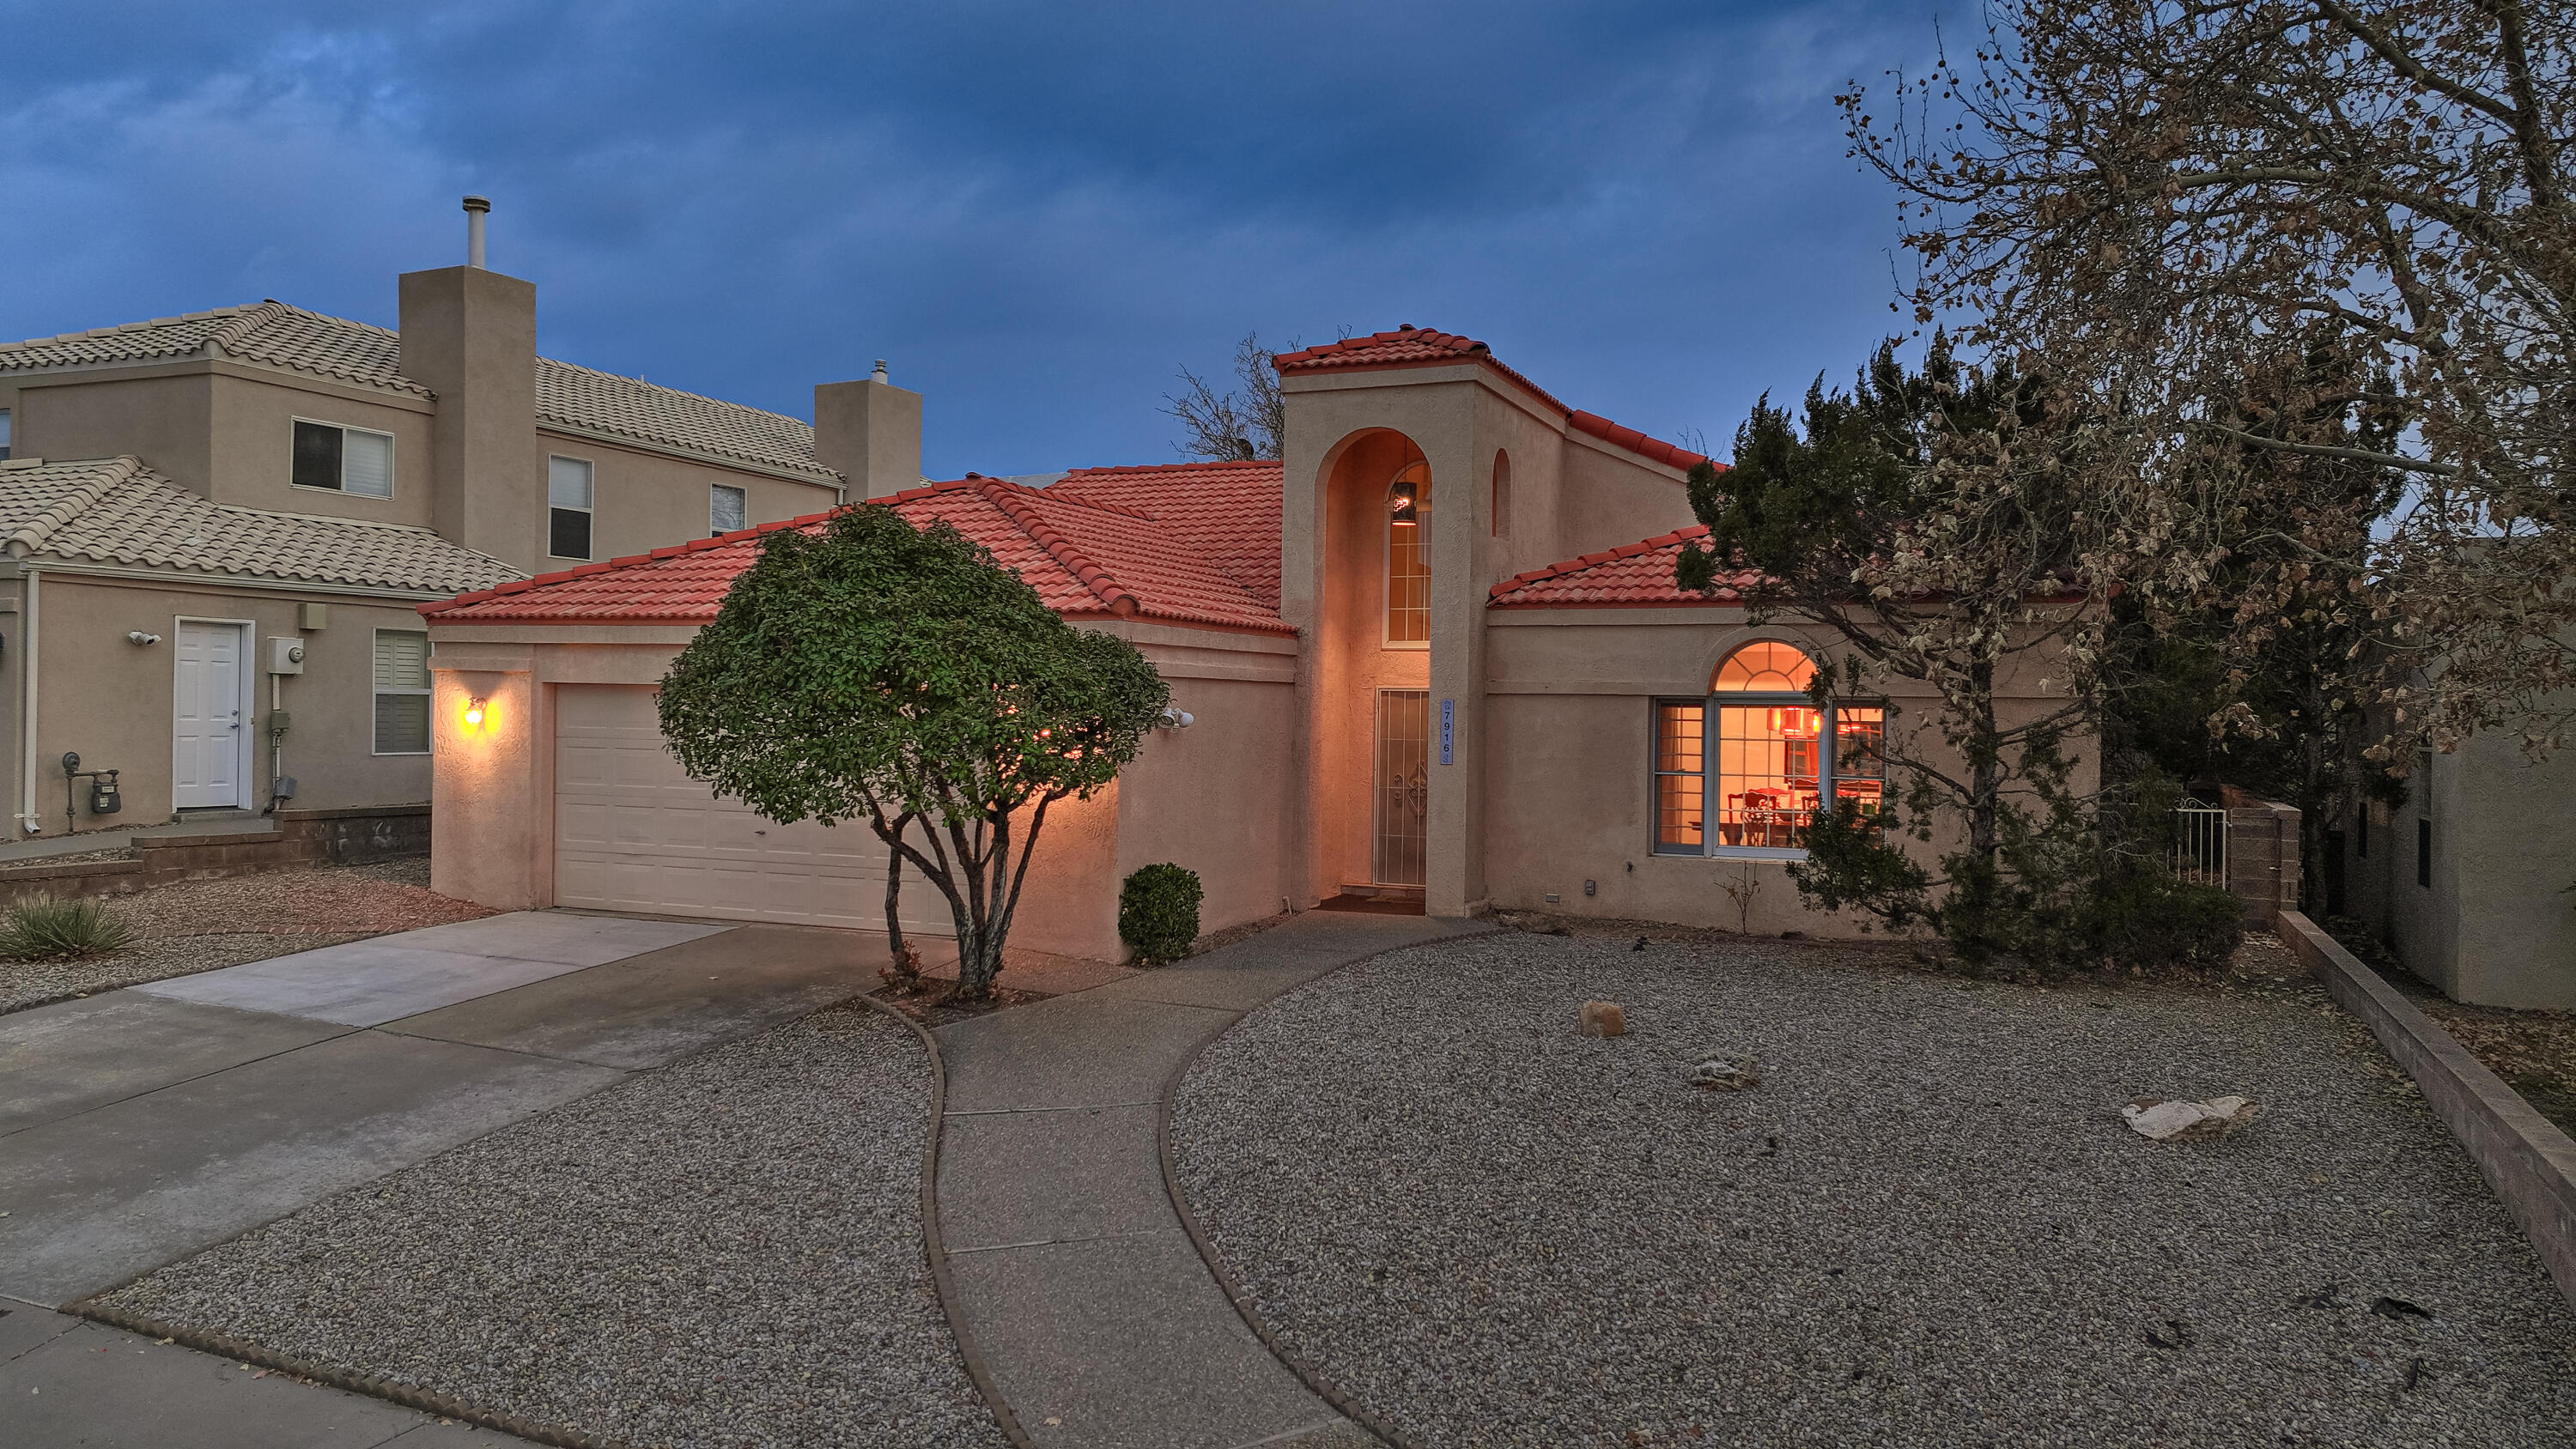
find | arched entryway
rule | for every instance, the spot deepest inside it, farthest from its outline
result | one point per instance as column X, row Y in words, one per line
column 1377, row 736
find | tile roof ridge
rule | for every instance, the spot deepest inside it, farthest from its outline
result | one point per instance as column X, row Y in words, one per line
column 676, row 391
column 61, row 337
column 32, row 537
column 1175, row 467
column 1579, row 564
column 1009, row 497
column 1595, row 425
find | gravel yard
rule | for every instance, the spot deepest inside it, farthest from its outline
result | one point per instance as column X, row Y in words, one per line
column 723, row 1252
column 1928, row 1226
column 200, row 925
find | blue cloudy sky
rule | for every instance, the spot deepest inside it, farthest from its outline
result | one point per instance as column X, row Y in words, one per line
column 1037, row 211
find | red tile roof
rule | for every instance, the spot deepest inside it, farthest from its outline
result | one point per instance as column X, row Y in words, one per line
column 1087, row 558
column 1633, row 575
column 1411, row 346
column 1228, row 511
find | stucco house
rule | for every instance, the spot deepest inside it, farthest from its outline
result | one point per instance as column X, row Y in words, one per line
column 218, row 527
column 1433, row 655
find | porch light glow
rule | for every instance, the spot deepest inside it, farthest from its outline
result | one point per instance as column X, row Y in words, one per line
column 474, row 713
column 1402, row 501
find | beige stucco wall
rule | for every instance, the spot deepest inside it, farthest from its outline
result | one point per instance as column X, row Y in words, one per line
column 166, row 420
column 2497, row 925
column 643, row 500
column 1569, row 496
column 1568, row 775
column 253, row 449
column 111, row 700
column 1196, row 796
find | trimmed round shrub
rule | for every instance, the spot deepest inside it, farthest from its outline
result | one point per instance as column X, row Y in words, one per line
column 1158, row 913
column 51, row 928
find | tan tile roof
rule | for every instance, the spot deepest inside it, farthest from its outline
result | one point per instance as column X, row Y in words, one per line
column 117, row 511
column 578, row 397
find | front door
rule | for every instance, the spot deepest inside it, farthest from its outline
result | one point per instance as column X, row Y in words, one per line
column 206, row 768
column 1403, row 784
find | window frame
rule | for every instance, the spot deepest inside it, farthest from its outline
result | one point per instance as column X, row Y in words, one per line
column 393, row 458
column 7, row 435
column 1422, row 506
column 376, row 693
column 590, row 528
column 713, row 491
column 1712, row 844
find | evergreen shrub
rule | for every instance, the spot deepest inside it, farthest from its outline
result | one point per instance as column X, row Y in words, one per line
column 1158, row 912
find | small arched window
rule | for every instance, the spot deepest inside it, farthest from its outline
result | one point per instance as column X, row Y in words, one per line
column 1408, row 557
column 1502, row 520
column 1742, row 771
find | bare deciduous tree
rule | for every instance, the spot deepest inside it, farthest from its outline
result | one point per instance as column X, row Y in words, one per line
column 1233, row 426
column 2161, row 196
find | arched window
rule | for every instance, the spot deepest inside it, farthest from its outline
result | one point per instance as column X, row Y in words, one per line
column 1502, row 519
column 1408, row 558
column 1742, row 771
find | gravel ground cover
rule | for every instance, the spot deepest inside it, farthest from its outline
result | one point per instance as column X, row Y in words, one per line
column 2534, row 1051
column 1928, row 1226
column 723, row 1252
column 200, row 925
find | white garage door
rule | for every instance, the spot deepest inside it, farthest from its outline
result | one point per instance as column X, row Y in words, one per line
column 633, row 833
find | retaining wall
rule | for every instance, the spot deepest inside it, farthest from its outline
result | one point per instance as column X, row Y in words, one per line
column 294, row 838
column 2524, row 1157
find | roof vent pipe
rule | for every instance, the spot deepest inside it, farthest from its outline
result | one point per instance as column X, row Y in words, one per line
column 880, row 374
column 475, row 209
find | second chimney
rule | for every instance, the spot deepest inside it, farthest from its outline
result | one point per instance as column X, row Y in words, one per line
column 476, row 208
column 870, row 433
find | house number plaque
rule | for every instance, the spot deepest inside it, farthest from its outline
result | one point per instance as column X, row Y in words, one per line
column 1448, row 729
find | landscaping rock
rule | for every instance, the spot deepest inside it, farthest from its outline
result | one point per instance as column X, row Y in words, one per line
column 1725, row 1071
column 1603, row 1018
column 2175, row 1121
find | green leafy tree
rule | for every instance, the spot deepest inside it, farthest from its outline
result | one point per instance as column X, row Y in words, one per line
column 868, row 670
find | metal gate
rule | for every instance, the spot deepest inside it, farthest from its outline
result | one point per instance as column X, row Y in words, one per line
column 1403, row 785
column 2200, row 844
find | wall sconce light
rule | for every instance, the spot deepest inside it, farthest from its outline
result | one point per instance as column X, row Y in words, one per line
column 1178, row 719
column 1402, row 500
column 474, row 710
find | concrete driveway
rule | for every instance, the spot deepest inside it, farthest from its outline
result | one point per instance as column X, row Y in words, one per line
column 139, row 1126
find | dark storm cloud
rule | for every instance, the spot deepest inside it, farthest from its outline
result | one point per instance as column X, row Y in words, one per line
column 1037, row 211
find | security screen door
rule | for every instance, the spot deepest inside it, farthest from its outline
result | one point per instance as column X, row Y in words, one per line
column 1403, row 784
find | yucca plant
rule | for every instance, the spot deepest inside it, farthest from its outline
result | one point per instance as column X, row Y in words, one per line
column 51, row 928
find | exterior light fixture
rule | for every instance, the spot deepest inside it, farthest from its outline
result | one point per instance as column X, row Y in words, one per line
column 1401, row 500
column 474, row 709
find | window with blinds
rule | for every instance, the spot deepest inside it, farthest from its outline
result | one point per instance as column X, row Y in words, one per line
column 402, row 692
column 568, row 507
column 328, row 456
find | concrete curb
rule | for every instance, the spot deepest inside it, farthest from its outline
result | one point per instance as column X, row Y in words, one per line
column 403, row 1394
column 1306, row 1373
column 2525, row 1158
column 935, row 1249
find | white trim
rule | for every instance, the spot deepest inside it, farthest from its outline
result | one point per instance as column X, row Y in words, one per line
column 393, row 459
column 245, row 775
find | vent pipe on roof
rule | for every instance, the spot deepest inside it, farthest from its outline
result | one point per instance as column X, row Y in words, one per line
column 475, row 209
column 880, row 374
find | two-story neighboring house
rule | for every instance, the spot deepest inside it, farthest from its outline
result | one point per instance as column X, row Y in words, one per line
column 219, row 527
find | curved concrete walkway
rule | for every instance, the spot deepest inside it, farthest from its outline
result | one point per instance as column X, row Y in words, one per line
column 1097, row 1321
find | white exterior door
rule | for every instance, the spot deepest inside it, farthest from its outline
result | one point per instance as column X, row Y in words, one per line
column 206, row 766
column 633, row 833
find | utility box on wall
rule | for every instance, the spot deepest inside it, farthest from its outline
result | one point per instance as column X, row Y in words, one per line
column 286, row 656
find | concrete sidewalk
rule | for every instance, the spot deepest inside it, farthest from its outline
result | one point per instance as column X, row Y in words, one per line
column 64, row 1381
column 1099, row 1323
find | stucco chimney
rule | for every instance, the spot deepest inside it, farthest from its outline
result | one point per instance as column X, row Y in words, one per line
column 470, row 336
column 870, row 433
column 476, row 207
